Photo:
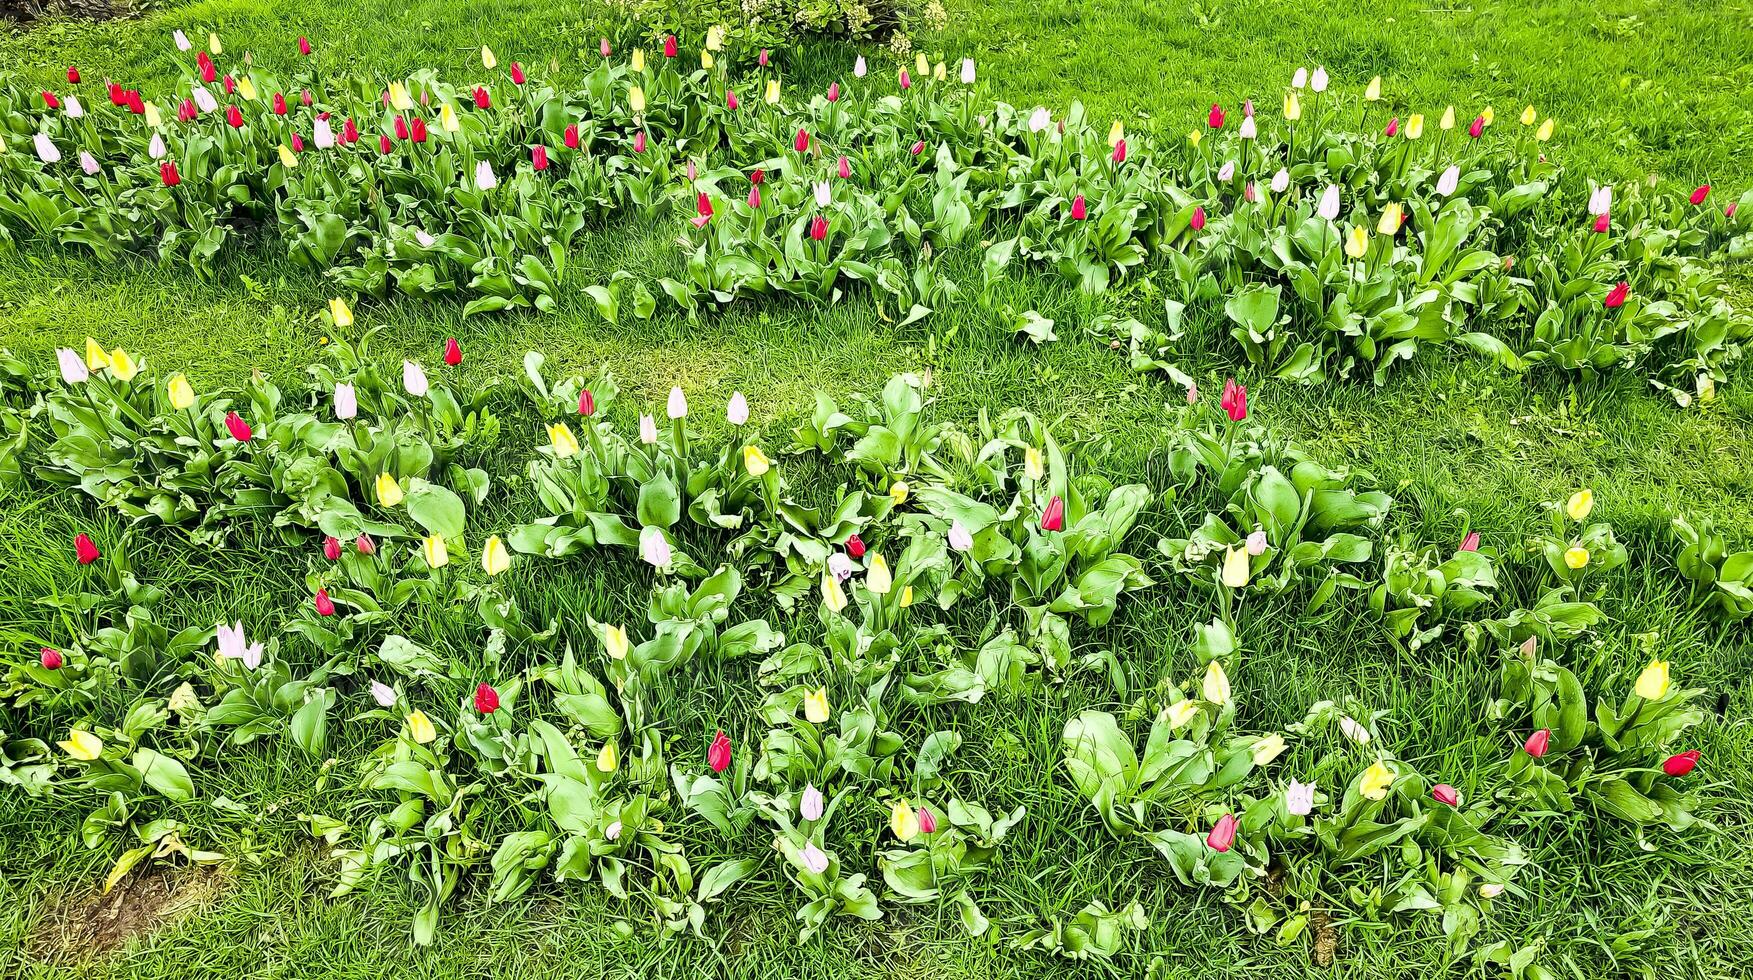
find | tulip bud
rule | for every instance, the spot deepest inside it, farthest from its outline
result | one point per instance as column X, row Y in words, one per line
column 1470, row 542
column 1700, row 194
column 1538, row 743
column 1223, row 834
column 718, row 752
column 1445, row 794
column 239, row 429
column 1079, row 210
column 332, row 548
column 1675, row 765
column 325, row 605
column 51, row 659
column 486, row 699
column 1616, row 296
column 1053, row 518
column 364, row 545
column 84, row 549
column 1197, row 222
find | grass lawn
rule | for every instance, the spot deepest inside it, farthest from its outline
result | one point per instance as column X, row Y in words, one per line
column 1641, row 89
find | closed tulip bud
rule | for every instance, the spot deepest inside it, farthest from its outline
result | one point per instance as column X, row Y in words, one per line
column 832, row 595
column 453, row 352
column 809, row 805
column 1079, row 210
column 1477, row 127
column 1576, row 558
column 844, row 169
column 1393, row 128
column 903, row 821
column 1447, row 183
column 1119, row 154
column 654, row 548
column 486, row 699
column 84, row 550
column 906, row 80
column 436, row 552
column 608, row 759
column 1652, row 683
column 1470, row 542
column 898, row 492
column 447, row 119
column 239, row 429
column 1376, row 781
column 488, row 60
column 517, row 76
column 1616, row 296
column 1675, row 765
column 818, row 228
column 50, row 101
column 417, row 132
column 1544, row 133
column 122, row 365
column 1293, row 107
column 718, row 752
column 213, row 44
column 414, row 379
column 1234, row 573
column 1197, row 222
column 1700, row 194
column 1373, row 91
column 364, row 545
column 332, row 548
column 420, row 728
column 325, row 605
column 494, row 558
column 834, row 92
column 756, row 462
column 639, row 142
column 389, row 492
column 1539, row 743
column 1415, row 126
column 1357, row 242
column 754, row 196
column 772, row 93
column 279, row 104
column 917, row 148
column 51, row 659
column 1053, row 518
column 1580, row 505
column 1248, row 130
column 1215, row 117
column 1280, row 181
column 287, row 159
column 47, row 152
column 482, row 99
column 615, row 642
column 1447, row 122
column 1730, row 208
column 1215, row 687
column 647, row 430
column 587, row 403
column 855, row 546
column 1223, row 834
column 878, row 579
column 1328, row 208
column 815, row 706
column 1392, row 216
column 1603, row 222
column 1267, row 748
column 801, row 143
column 73, row 369
column 1445, row 794
column 181, row 394
column 959, row 538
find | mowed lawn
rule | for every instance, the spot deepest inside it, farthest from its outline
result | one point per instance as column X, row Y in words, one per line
column 1642, row 90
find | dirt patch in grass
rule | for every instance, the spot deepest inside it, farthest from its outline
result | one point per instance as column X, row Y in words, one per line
column 97, row 923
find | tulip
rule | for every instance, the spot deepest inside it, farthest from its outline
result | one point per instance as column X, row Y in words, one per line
column 833, row 95
column 414, row 379
column 1652, row 684
column 587, row 404
column 417, row 131
column 447, row 119
column 1602, row 223
column 855, row 546
column 325, row 605
column 647, row 430
column 389, row 492
column 1215, row 687
column 1450, row 179
column 903, row 821
column 486, row 699
column 1247, row 130
column 287, row 160
column 906, row 80
column 1376, row 781
column 1544, row 133
column 654, row 548
column 898, row 492
column 1373, row 91
column 1079, row 210
column 50, row 101
column 814, row 860
column 1299, row 798
column 435, row 551
column 959, row 538
column 1538, row 743
column 1415, row 126
column 1280, row 181
column 1293, row 107
column 122, row 365
column 1616, row 296
column 453, row 352
column 1234, row 573
column 718, row 752
column 73, row 369
column 1256, row 543
column 47, row 152
column 1576, row 558
column 364, row 545
column 1393, row 128
column 1181, row 712
column 1265, row 749
column 1119, row 154
column 754, row 197
column 1470, row 542
column 332, row 548
column 639, row 139
column 815, row 706
column 51, row 659
column 482, row 99
column 1350, row 728
column 1053, row 518
column 1039, row 119
column 322, row 134
column 1197, row 222
column 1730, row 208
column 1445, row 794
column 234, row 645
column 1580, row 504
column 420, row 727
column 82, row 745
column 1357, row 242
column 74, row 109
column 917, row 148
column 756, row 462
column 1700, row 194
column 96, row 358
column 1329, row 206
column 1223, row 834
column 844, row 169
column 771, row 96
column 1675, row 765
column 878, row 579
column 810, row 805
column 1447, row 122
column 383, row 694
column 1477, row 128
column 1034, row 465
column 346, row 401
column 84, row 549
column 1234, row 401
column 494, row 558
column 239, row 429
column 678, row 404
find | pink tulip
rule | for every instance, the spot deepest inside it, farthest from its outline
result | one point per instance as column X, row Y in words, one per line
column 1616, row 297
column 1393, row 127
column 802, row 143
column 539, row 157
column 1477, row 127
column 1119, row 152
column 332, row 548
column 1079, row 210
column 718, row 753
column 845, row 169
column 570, row 138
column 669, row 46
column 1198, row 221
column 304, row 46
column 918, row 148
column 1214, row 119
column 1602, row 222
column 1470, row 542
column 325, row 605
column 834, row 92
column 1700, row 194
column 1445, row 794
column 239, row 429
column 1234, row 401
column 587, row 403
column 1223, row 834
column 1538, row 743
column 1053, row 518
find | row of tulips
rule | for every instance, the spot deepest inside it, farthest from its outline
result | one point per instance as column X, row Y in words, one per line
column 1383, row 239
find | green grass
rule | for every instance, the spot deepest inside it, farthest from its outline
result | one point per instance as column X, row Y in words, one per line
column 1640, row 89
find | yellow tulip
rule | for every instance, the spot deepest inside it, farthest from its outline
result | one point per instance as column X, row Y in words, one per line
column 1529, row 115
column 1116, row 133
column 815, row 705
column 636, row 98
column 1580, row 504
column 638, row 60
column 1268, row 748
column 399, row 98
column 437, row 553
column 339, row 312
column 1415, row 125
column 1033, row 466
column 898, row 492
column 756, row 461
column 616, row 639
column 772, row 91
column 715, row 38
column 488, row 61
column 1490, row 889
column 940, row 73
column 608, row 759
column 878, row 579
column 1488, row 116
column 1216, row 685
column 1182, row 712
column 1392, row 215
column 494, row 558
column 1652, row 684
column 1376, row 780
column 1293, row 107
column 903, row 822
column 1357, row 242
column 287, row 159
column 389, row 492
column 420, row 727
column 1373, row 91
column 122, row 365
column 832, row 595
column 95, row 358
column 82, row 745
column 921, row 67
column 1194, row 136
column 213, row 44
column 906, row 597
column 706, row 60
column 1576, row 558
column 246, row 88
column 1235, row 567
column 565, row 444
column 153, row 118
column 1448, row 121
column 1544, row 133
column 181, row 394
column 447, row 119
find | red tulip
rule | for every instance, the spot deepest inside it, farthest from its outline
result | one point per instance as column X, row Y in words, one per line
column 587, row 403
column 51, row 659
column 571, row 137
column 167, row 172
column 730, row 100
column 1477, row 127
column 1470, row 542
column 115, row 93
column 1393, row 127
column 1120, row 152
column 482, row 99
column 325, row 605
column 332, row 548
column 208, row 74
column 239, row 429
column 383, row 145
column 304, row 46
column 349, row 132
column 845, row 170
column 802, row 143
column 486, row 699
column 1700, row 194
column 1223, row 835
column 1676, row 765
column 1214, row 119
column 855, row 546
column 1053, row 518
column 453, row 352
column 818, row 228
column 234, row 117
column 517, row 76
column 918, row 148
column 718, row 753
column 84, row 550
column 364, row 545
column 186, row 110
column 72, row 75
column 1602, row 222
column 203, row 59
column 927, row 821
column 401, row 128
column 834, row 92
column 1538, row 743
column 1445, row 794
column 1234, row 401
column 539, row 157
column 50, row 100
column 135, row 104
column 703, row 205
column 297, row 143
column 1198, row 221
column 304, row 97
column 1616, row 297
column 230, row 85
column 279, row 104
column 1079, row 210
column 669, row 46
column 417, row 130
column 754, row 195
